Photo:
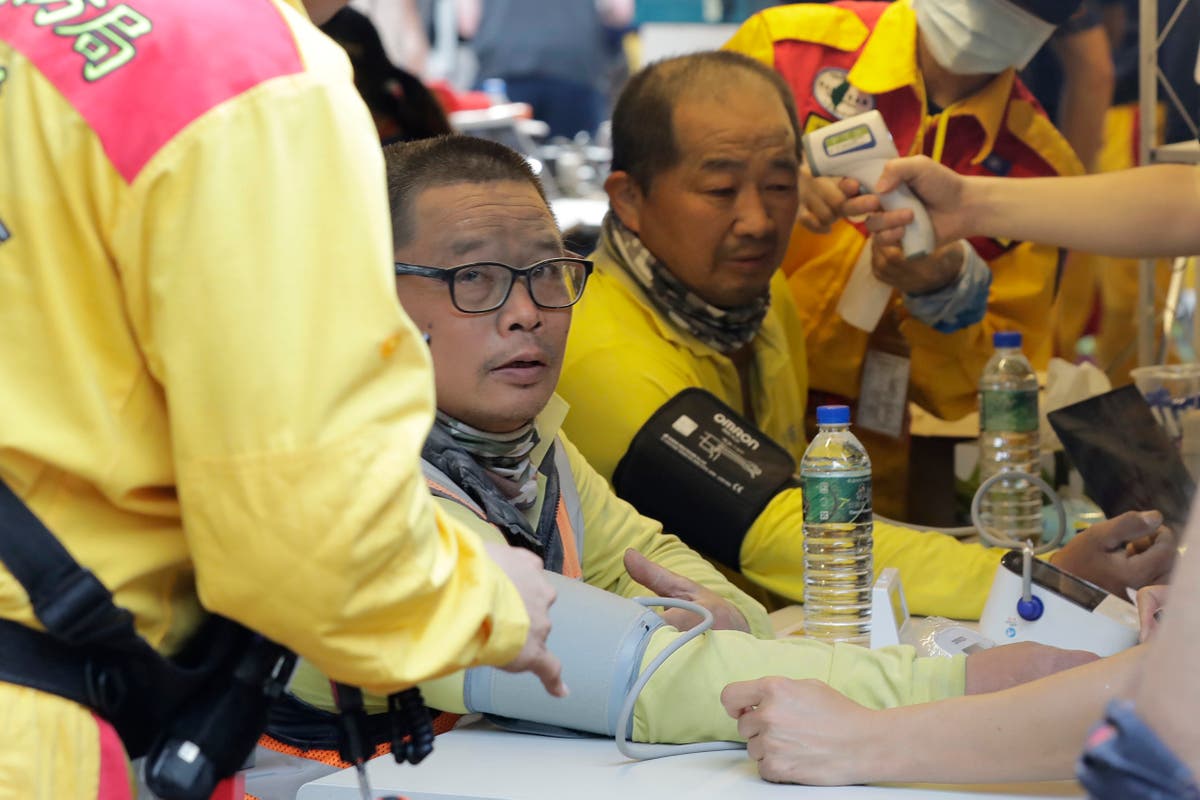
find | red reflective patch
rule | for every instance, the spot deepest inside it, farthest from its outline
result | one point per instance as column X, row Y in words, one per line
column 140, row 71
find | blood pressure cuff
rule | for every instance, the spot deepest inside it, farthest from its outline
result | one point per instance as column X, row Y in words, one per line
column 601, row 660
column 1125, row 760
column 704, row 471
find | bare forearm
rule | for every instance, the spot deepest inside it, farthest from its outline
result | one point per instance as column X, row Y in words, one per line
column 1031, row 732
column 1149, row 212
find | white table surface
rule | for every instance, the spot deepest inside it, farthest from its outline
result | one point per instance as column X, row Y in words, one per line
column 479, row 762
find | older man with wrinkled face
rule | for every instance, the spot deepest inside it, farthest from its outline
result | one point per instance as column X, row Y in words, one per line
column 687, row 316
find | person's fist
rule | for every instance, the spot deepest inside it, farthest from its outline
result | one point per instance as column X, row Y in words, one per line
column 804, row 731
column 917, row 275
column 820, row 201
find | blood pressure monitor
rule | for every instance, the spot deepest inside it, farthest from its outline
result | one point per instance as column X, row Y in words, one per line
column 1067, row 611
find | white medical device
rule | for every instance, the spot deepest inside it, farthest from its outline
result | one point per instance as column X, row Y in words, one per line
column 1034, row 601
column 858, row 147
column 1063, row 611
column 889, row 610
column 891, row 624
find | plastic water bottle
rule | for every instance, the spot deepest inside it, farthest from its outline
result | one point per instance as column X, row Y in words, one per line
column 496, row 89
column 836, row 475
column 1008, row 441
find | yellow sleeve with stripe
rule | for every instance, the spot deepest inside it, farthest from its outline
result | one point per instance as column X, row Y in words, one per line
column 256, row 259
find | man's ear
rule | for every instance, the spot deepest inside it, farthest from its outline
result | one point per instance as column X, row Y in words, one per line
column 626, row 198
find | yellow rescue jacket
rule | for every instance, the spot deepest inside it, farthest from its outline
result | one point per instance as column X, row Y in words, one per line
column 211, row 394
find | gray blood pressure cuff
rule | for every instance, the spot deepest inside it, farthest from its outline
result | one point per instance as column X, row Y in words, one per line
column 704, row 471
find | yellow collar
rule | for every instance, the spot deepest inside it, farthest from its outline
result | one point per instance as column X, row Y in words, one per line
column 888, row 60
column 548, row 424
column 298, row 5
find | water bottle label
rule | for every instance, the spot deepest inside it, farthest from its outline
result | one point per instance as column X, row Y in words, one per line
column 1013, row 411
column 837, row 499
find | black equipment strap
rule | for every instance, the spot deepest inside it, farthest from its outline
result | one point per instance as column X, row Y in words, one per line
column 70, row 601
column 196, row 716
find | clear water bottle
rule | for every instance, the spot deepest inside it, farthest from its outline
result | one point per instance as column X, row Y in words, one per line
column 1008, row 441
column 836, row 476
column 496, row 89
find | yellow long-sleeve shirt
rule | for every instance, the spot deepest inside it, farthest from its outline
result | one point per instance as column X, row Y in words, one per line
column 210, row 393
column 624, row 361
column 682, row 702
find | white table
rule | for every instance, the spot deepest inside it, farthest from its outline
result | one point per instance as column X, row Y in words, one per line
column 480, row 762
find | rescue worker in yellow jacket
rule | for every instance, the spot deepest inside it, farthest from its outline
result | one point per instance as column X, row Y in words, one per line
column 941, row 74
column 703, row 196
column 181, row 194
column 481, row 269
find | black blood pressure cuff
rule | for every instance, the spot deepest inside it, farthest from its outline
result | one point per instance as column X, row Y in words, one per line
column 1125, row 760
column 704, row 471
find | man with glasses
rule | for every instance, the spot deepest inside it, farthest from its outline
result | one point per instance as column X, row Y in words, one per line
column 468, row 216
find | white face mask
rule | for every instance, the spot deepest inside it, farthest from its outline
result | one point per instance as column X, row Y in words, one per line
column 980, row 37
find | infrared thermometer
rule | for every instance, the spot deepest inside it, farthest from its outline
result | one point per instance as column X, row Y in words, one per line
column 858, row 147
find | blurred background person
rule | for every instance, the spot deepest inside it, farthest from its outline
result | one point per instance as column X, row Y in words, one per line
column 403, row 109
column 553, row 56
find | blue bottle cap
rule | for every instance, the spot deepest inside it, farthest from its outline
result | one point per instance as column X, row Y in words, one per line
column 1006, row 339
column 833, row 415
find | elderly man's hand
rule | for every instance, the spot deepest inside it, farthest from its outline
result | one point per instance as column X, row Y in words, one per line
column 919, row 275
column 665, row 583
column 1008, row 665
column 820, row 201
column 804, row 731
column 1132, row 550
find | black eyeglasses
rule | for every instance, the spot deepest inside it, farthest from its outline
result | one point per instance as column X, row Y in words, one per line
column 485, row 285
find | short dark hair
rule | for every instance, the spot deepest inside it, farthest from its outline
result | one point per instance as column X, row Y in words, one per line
column 413, row 167
column 643, row 135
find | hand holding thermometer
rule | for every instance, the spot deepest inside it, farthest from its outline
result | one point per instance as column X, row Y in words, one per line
column 858, row 147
